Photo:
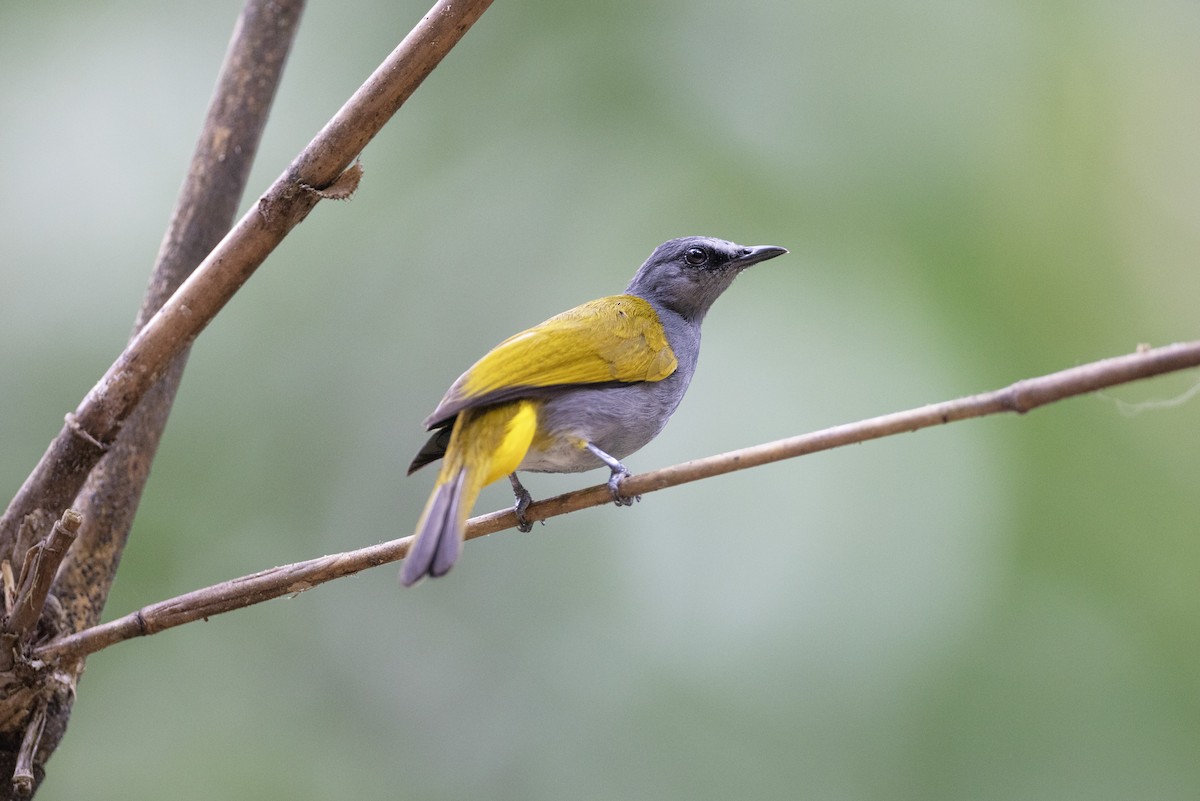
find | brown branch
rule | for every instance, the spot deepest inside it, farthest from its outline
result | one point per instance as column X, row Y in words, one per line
column 92, row 428
column 1020, row 397
column 23, row 777
column 205, row 209
column 203, row 213
column 38, row 574
column 123, row 416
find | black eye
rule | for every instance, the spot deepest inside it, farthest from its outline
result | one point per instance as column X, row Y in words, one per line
column 695, row 256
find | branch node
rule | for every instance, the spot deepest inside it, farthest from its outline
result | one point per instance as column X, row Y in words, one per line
column 342, row 188
column 79, row 431
column 1013, row 398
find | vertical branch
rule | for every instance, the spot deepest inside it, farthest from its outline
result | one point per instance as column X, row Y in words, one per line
column 41, row 566
column 124, row 413
column 23, row 776
column 204, row 212
column 322, row 169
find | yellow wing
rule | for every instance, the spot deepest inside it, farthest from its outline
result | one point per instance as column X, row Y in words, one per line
column 618, row 338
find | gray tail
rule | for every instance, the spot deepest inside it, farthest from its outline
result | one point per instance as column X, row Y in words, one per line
column 439, row 535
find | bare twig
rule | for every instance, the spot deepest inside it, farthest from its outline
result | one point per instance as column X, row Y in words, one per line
column 23, row 776
column 1020, row 397
column 93, row 426
column 38, row 574
column 10, row 586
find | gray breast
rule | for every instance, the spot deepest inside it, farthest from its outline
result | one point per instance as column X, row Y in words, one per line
column 617, row 419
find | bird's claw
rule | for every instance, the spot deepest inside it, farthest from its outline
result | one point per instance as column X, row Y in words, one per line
column 614, row 486
column 523, row 500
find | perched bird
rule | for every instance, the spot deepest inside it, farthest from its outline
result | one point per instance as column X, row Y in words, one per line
column 582, row 390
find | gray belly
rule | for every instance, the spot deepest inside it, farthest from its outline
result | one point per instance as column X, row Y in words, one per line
column 617, row 419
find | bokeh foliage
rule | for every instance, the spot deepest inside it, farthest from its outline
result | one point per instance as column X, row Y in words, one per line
column 972, row 194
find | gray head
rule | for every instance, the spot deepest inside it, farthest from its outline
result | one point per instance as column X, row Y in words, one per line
column 686, row 275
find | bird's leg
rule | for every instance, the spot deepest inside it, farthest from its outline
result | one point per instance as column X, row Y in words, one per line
column 619, row 471
column 523, row 501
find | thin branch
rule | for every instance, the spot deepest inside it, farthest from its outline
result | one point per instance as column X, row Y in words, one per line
column 93, row 426
column 38, row 574
column 1020, row 397
column 23, row 777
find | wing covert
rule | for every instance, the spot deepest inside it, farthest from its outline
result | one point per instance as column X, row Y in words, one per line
column 617, row 338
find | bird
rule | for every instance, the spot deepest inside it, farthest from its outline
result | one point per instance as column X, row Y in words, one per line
column 580, row 391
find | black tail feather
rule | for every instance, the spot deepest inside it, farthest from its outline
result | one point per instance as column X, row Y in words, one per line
column 433, row 449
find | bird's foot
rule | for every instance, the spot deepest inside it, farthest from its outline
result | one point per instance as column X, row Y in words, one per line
column 614, row 486
column 619, row 471
column 522, row 504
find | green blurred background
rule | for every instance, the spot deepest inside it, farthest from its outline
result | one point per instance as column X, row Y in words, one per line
column 972, row 194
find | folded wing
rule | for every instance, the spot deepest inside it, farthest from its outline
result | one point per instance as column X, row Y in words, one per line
column 613, row 339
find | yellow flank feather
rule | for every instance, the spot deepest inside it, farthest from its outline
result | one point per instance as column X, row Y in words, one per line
column 618, row 338
column 487, row 444
column 518, row 434
column 490, row 441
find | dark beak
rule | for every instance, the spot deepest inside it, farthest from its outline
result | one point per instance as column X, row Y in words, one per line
column 754, row 255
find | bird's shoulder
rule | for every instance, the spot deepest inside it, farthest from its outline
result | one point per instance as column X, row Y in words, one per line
column 618, row 338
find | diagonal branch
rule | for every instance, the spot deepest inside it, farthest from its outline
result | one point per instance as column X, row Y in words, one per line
column 110, row 439
column 93, row 427
column 41, row 701
column 206, row 207
column 1021, row 397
